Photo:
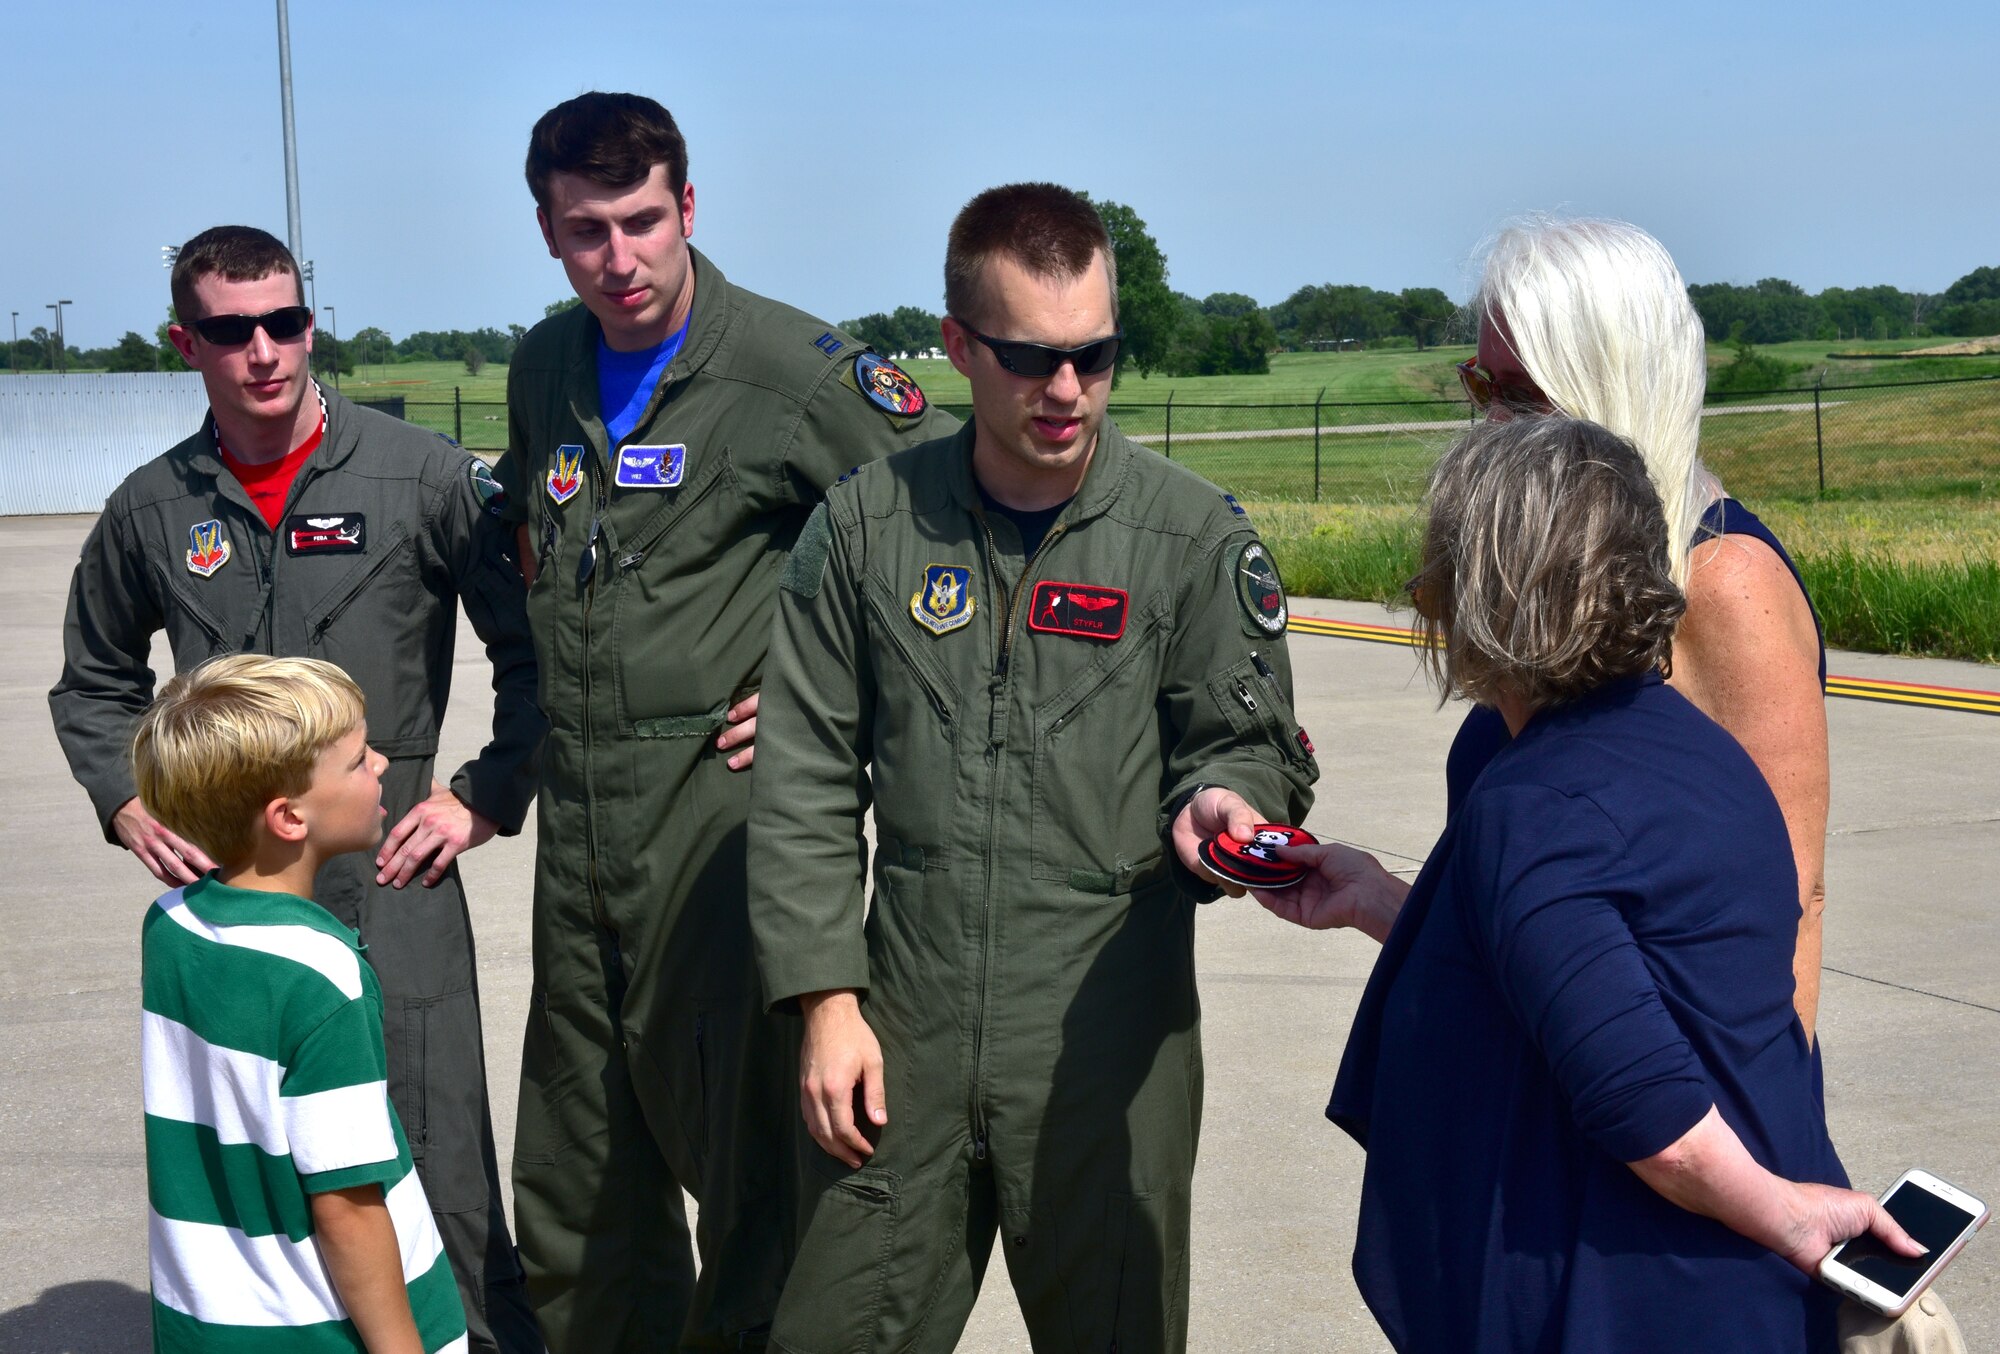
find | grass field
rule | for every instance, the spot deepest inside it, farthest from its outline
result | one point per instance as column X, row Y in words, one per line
column 1917, row 578
column 1899, row 553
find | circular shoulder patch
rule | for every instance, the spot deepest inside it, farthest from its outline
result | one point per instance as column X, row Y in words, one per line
column 485, row 488
column 888, row 386
column 1259, row 590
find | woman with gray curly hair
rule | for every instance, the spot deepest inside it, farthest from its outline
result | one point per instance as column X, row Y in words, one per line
column 1586, row 1101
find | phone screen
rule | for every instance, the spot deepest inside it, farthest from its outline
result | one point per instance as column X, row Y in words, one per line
column 1931, row 1220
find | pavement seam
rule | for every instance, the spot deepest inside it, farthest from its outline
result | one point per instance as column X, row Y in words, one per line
column 1905, row 987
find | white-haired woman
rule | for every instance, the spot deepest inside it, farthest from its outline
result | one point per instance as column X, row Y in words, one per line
column 1592, row 319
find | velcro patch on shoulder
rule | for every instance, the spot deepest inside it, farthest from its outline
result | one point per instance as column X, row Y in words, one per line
column 887, row 386
column 805, row 567
column 487, row 490
column 1259, row 591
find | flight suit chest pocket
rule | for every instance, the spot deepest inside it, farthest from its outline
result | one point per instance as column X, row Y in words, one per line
column 1097, row 766
column 917, row 732
column 677, row 569
column 193, row 628
column 369, row 611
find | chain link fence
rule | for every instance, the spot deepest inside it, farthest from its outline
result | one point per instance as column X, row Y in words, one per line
column 1907, row 440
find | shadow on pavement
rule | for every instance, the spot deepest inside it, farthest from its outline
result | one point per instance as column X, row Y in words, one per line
column 99, row 1316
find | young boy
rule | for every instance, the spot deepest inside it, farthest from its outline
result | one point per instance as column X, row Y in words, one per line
column 285, row 1211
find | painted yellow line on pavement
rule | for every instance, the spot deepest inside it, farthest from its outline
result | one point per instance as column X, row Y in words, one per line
column 1851, row 688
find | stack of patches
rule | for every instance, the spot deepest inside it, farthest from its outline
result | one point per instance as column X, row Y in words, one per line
column 1256, row 864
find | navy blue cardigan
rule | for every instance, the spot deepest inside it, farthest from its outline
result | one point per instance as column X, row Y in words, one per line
column 1598, row 949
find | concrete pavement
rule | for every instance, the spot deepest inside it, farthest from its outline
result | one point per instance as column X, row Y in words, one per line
column 1910, row 1016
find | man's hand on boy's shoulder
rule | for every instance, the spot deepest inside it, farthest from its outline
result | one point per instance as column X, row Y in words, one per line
column 172, row 858
column 438, row 830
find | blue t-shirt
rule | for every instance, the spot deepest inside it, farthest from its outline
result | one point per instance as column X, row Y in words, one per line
column 1599, row 947
column 625, row 381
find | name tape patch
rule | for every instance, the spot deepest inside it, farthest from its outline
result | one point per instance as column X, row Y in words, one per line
column 333, row 533
column 651, row 467
column 1085, row 610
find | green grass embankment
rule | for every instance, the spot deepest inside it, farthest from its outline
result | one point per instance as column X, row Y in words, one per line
column 1920, row 579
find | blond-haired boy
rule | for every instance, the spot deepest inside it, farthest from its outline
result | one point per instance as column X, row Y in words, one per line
column 285, row 1211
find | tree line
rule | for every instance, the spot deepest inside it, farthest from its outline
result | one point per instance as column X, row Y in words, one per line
column 1777, row 311
column 1173, row 334
column 40, row 350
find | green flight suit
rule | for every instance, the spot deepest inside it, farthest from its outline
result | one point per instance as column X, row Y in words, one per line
column 1026, row 730
column 389, row 529
column 649, row 1064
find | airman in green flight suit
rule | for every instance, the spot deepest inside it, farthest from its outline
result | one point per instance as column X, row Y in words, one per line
column 1053, row 661
column 667, row 439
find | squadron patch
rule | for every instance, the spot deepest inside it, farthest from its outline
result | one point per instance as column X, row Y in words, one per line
column 485, row 488
column 944, row 602
column 325, row 534
column 566, row 475
column 1259, row 590
column 1084, row 610
column 208, row 548
column 651, row 467
column 888, row 386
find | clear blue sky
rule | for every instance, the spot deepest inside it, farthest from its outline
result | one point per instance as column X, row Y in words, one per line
column 1267, row 145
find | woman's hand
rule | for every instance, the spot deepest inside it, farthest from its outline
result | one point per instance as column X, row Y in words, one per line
column 1824, row 1216
column 1709, row 1171
column 1346, row 887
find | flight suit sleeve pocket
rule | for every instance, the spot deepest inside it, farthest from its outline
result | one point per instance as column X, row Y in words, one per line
column 1258, row 713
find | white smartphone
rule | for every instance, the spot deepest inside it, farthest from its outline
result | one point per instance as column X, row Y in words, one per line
column 1941, row 1217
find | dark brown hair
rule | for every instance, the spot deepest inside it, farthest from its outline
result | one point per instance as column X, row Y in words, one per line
column 1047, row 229
column 1545, row 569
column 612, row 139
column 238, row 254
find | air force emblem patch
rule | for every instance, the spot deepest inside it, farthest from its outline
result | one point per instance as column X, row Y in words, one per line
column 650, row 467
column 944, row 602
column 208, row 548
column 566, row 475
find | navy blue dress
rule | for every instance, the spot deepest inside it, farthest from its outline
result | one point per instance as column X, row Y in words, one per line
column 1598, row 949
column 1484, row 733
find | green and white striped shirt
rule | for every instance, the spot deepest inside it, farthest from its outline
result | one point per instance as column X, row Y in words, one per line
column 266, row 1083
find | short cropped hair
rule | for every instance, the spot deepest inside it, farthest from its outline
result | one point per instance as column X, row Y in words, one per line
column 1047, row 229
column 238, row 253
column 1601, row 319
column 612, row 139
column 1545, row 571
column 226, row 738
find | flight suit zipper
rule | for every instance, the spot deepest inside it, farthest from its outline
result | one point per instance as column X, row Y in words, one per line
column 586, row 578
column 996, row 739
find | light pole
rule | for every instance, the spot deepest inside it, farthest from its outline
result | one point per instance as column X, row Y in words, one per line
column 333, row 328
column 13, row 353
column 293, row 235
column 62, row 348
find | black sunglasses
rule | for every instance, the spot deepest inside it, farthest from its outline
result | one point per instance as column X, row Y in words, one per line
column 286, row 322
column 1038, row 359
